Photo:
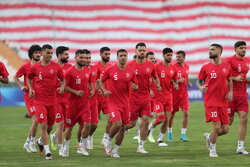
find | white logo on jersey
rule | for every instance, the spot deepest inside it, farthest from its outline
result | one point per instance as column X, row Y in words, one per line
column 163, row 74
column 127, row 75
column 78, row 80
column 40, row 75
column 239, row 68
column 136, row 71
column 148, row 69
column 224, row 70
column 87, row 75
column 51, row 71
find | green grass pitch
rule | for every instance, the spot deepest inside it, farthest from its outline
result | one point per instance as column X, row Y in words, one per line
column 14, row 128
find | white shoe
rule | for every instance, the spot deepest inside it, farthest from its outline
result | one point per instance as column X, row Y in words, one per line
column 103, row 141
column 32, row 147
column 89, row 143
column 141, row 150
column 84, row 151
column 26, row 147
column 78, row 151
column 242, row 151
column 207, row 139
column 65, row 152
column 162, row 144
column 115, row 155
column 107, row 148
column 61, row 152
column 213, row 154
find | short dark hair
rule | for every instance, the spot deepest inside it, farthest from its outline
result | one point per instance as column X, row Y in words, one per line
column 79, row 51
column 86, row 51
column 47, row 46
column 181, row 52
column 121, row 50
column 60, row 50
column 104, row 49
column 217, row 46
column 32, row 49
column 149, row 53
column 239, row 43
column 140, row 44
column 167, row 50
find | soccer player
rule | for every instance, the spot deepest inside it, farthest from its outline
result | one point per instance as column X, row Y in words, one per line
column 62, row 54
column 163, row 100
column 78, row 83
column 3, row 76
column 120, row 78
column 240, row 66
column 140, row 99
column 45, row 75
column 217, row 91
column 34, row 54
column 102, row 101
column 180, row 95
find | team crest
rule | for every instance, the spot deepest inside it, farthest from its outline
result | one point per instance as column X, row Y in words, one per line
column 148, row 69
column 171, row 72
column 87, row 75
column 127, row 75
column 224, row 70
column 93, row 73
column 51, row 71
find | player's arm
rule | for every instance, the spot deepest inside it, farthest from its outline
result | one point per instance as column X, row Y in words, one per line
column 189, row 83
column 4, row 80
column 19, row 84
column 157, row 83
column 229, row 95
column 62, row 86
column 73, row 91
column 30, row 86
column 102, row 87
column 99, row 90
column 175, row 84
column 203, row 88
column 92, row 89
column 238, row 78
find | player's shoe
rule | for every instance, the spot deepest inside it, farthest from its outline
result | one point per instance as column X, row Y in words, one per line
column 78, row 151
column 89, row 143
column 103, row 141
column 53, row 142
column 60, row 152
column 107, row 148
column 184, row 138
column 65, row 152
column 213, row 154
column 242, row 151
column 136, row 137
column 151, row 139
column 115, row 155
column 26, row 147
column 84, row 151
column 141, row 150
column 170, row 137
column 40, row 148
column 162, row 144
column 49, row 156
column 32, row 147
column 207, row 139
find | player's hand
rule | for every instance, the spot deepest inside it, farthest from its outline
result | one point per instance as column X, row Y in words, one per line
column 229, row 96
column 91, row 93
column 239, row 78
column 176, row 86
column 134, row 86
column 203, row 89
column 159, row 88
column 79, row 93
column 60, row 90
column 31, row 93
column 107, row 93
column 180, row 80
column 24, row 88
column 152, row 94
column 190, row 84
column 99, row 92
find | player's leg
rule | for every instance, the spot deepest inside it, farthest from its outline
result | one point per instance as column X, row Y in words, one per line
column 84, row 137
column 32, row 135
column 118, row 141
column 67, row 136
column 243, row 116
column 170, row 126
column 185, row 120
column 159, row 118
column 163, row 129
column 216, row 127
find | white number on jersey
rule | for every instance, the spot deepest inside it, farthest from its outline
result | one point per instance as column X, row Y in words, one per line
column 179, row 75
column 239, row 68
column 40, row 75
column 214, row 114
column 115, row 77
column 213, row 75
column 113, row 114
column 41, row 116
column 162, row 74
column 78, row 81
column 58, row 115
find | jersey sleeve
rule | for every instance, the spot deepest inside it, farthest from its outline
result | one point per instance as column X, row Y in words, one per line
column 67, row 77
column 31, row 73
column 202, row 74
column 21, row 71
column 153, row 74
column 60, row 73
column 134, row 79
column 175, row 76
column 105, row 75
column 3, row 72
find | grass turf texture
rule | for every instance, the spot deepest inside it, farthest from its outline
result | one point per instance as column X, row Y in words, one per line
column 14, row 128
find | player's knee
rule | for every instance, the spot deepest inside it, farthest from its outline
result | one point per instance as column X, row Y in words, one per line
column 244, row 119
column 145, row 120
column 185, row 114
column 117, row 124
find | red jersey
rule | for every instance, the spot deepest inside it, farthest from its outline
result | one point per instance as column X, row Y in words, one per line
column 181, row 72
column 166, row 74
column 45, row 82
column 3, row 71
column 62, row 98
column 215, row 77
column 93, row 100
column 78, row 80
column 239, row 66
column 143, row 73
column 100, row 71
column 23, row 71
column 120, row 83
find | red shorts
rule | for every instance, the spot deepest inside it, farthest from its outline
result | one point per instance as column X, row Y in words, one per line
column 119, row 113
column 94, row 113
column 60, row 112
column 45, row 113
column 180, row 102
column 139, row 108
column 102, row 104
column 74, row 116
column 30, row 106
column 217, row 114
column 239, row 103
column 160, row 106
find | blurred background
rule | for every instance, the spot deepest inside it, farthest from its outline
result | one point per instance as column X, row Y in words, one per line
column 189, row 25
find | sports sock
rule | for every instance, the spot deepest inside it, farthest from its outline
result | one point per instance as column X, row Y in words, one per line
column 46, row 148
column 169, row 130
column 183, row 130
column 160, row 137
